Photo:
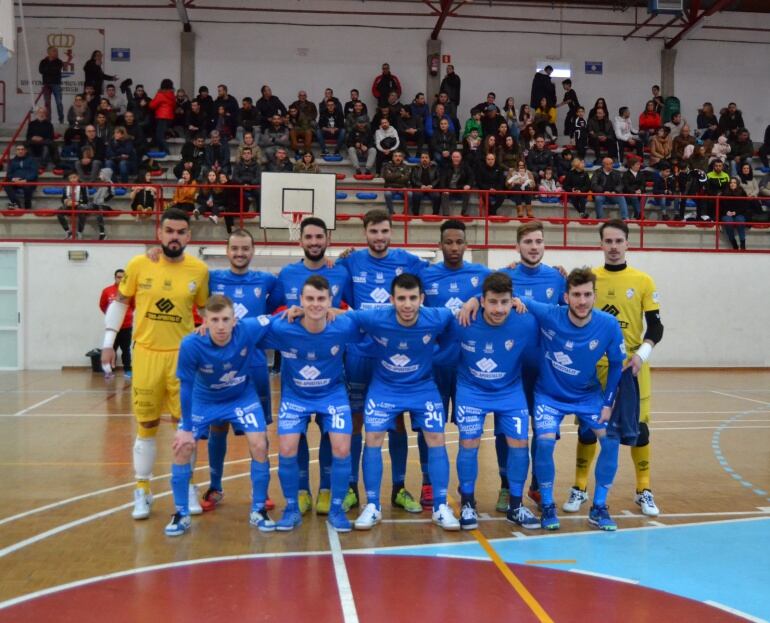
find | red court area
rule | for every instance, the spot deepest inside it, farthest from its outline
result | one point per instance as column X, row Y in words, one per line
column 385, row 588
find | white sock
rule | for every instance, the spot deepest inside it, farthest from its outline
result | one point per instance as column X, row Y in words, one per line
column 144, row 457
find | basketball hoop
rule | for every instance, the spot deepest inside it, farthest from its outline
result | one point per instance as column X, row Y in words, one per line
column 293, row 223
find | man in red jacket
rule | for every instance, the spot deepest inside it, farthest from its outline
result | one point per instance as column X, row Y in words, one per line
column 123, row 337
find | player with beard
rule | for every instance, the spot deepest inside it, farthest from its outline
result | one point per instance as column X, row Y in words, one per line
column 164, row 293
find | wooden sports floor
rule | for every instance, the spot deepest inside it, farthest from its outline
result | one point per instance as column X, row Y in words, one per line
column 69, row 550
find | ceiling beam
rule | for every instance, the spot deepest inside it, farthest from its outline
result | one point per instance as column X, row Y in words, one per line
column 666, row 25
column 446, row 7
column 696, row 18
column 640, row 26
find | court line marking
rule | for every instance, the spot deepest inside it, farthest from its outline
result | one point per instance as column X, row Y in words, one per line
column 762, row 402
column 41, row 403
column 604, row 576
column 738, row 613
column 348, row 603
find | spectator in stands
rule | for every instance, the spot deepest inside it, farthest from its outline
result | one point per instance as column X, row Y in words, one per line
column 224, row 123
column 79, row 114
column 699, row 159
column 181, row 108
column 87, row 167
column 433, row 120
column 360, row 144
column 118, row 102
column 394, row 105
column 509, row 114
column 229, row 102
column 750, row 186
column 268, row 106
column 519, row 179
column 136, row 133
column 491, row 120
column 489, row 144
column 144, row 115
column 163, row 105
column 764, row 148
column 473, row 123
column 571, row 101
column 75, row 198
column 248, row 172
column 526, row 116
column 217, row 154
column 665, row 184
column 578, row 181
column 741, row 150
column 721, row 149
column 545, row 120
column 563, row 162
column 509, row 154
column 281, row 162
column 661, row 146
column 599, row 104
column 501, row 134
column 143, row 196
column 295, row 133
column 730, row 120
column 94, row 74
column 105, row 108
column 457, row 176
column 103, row 127
column 734, row 208
column 121, row 155
column 329, row 95
column 50, row 74
column 331, row 126
column 356, row 113
column 210, row 199
column 306, row 123
column 550, row 187
column 625, row 133
column 539, row 159
column 449, row 108
column 40, row 139
column 273, row 137
column 675, row 125
column 489, row 175
column 764, row 190
column 707, row 122
column 657, row 99
column 195, row 120
column 601, row 136
column 580, row 132
column 473, row 148
column 411, row 130
column 250, row 143
column 490, row 101
column 543, row 87
column 680, row 143
column 635, row 184
column 207, row 103
column 97, row 145
column 649, row 122
column 91, row 98
column 97, row 203
column 386, row 141
column 248, row 118
column 231, row 199
column 384, row 84
column 605, row 184
column 420, row 108
column 308, row 164
column 396, row 174
column 451, row 86
column 185, row 193
column 21, row 168
column 193, row 157
column 442, row 144
column 425, row 178
column 350, row 105
column 527, row 139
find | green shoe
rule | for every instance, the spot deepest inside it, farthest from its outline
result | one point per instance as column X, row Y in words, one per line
column 323, row 502
column 405, row 500
column 503, row 497
column 350, row 501
column 304, row 501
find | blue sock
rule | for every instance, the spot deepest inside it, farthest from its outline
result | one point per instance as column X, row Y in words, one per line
column 518, row 467
column 606, row 467
column 180, row 486
column 501, row 449
column 423, row 449
column 467, row 469
column 340, row 475
column 438, row 467
column 217, row 451
column 303, row 463
column 398, row 445
column 288, row 474
column 372, row 474
column 533, row 453
column 260, row 480
column 325, row 461
column 545, row 469
column 356, row 445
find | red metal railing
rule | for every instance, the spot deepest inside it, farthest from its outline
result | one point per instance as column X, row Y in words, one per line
column 2, row 98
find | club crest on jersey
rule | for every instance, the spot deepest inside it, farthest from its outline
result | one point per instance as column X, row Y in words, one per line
column 630, row 293
column 509, row 344
column 528, row 292
column 489, row 348
column 549, row 292
column 474, row 281
column 238, row 293
column 257, row 292
column 192, row 286
column 403, row 346
column 244, row 351
column 379, row 278
column 593, row 344
column 569, row 345
column 399, row 270
column 453, row 287
column 335, row 349
column 335, row 290
column 426, row 338
column 311, row 356
column 655, row 297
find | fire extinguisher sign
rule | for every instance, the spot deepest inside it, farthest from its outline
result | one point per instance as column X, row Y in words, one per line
column 446, row 58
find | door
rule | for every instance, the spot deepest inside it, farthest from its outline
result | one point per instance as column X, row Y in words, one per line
column 10, row 308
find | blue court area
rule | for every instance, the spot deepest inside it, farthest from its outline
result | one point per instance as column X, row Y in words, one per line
column 725, row 562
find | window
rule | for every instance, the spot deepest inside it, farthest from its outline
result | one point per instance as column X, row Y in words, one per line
column 561, row 69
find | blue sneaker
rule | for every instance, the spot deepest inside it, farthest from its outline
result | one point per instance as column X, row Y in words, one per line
column 290, row 520
column 178, row 525
column 127, row 375
column 548, row 518
column 599, row 517
column 261, row 520
column 339, row 521
column 469, row 518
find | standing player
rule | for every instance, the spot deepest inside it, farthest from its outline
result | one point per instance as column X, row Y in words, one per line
column 574, row 339
column 491, row 350
column 372, row 271
column 213, row 371
column 123, row 337
column 404, row 338
column 447, row 284
column 629, row 295
column 164, row 293
column 312, row 382
column 314, row 240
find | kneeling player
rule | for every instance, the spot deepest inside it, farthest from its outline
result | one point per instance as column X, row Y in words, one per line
column 574, row 339
column 216, row 389
column 489, row 381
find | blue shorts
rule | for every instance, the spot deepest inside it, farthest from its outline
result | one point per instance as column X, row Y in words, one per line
column 358, row 375
column 261, row 376
column 548, row 418
column 332, row 414
column 244, row 415
column 511, row 414
column 383, row 405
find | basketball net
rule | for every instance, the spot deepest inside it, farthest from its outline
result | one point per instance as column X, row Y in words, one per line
column 293, row 223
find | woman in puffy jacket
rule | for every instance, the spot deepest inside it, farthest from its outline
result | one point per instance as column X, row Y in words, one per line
column 163, row 105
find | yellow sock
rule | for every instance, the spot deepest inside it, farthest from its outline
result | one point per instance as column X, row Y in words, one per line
column 641, row 457
column 585, row 456
column 144, row 485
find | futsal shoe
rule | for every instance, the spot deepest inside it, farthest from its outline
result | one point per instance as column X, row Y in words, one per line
column 339, row 522
column 503, row 498
column 368, row 518
column 577, row 497
column 445, row 518
column 142, row 504
column 351, row 500
column 404, row 499
column 426, row 497
column 548, row 518
column 469, row 518
column 291, row 519
column 195, row 503
column 323, row 502
column 178, row 525
column 646, row 500
column 304, row 501
column 211, row 499
column 599, row 517
column 261, row 520
column 523, row 517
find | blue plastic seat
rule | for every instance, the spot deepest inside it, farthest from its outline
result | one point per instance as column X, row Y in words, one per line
column 341, row 195
column 332, row 157
column 366, row 196
column 157, row 154
column 53, row 190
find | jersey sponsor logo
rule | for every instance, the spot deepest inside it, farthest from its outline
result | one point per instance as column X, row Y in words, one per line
column 623, row 348
column 454, row 304
column 593, row 344
column 360, row 278
column 145, row 285
column 240, row 310
column 399, row 364
column 229, row 379
column 403, row 346
column 206, row 368
column 379, row 278
column 164, row 305
column 238, row 293
column 548, row 333
column 486, row 364
column 292, row 295
column 611, row 309
column 485, row 372
column 545, row 416
column 310, row 378
column 453, row 287
column 562, row 358
column 426, row 338
column 432, row 289
column 509, row 344
column 528, row 292
column 380, row 295
column 569, row 345
column 489, row 348
column 549, row 292
column 289, row 354
column 560, row 361
column 630, row 293
column 288, row 406
column 311, row 356
column 263, row 320
column 469, row 346
column 167, row 284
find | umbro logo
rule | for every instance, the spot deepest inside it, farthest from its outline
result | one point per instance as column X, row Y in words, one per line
column 611, row 309
column 164, row 305
column 380, row 295
column 400, row 360
column 486, row 364
column 310, row 372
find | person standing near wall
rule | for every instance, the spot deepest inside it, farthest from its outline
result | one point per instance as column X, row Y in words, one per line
column 50, row 72
column 123, row 336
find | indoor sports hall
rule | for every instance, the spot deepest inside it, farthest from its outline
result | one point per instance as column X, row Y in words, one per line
column 677, row 149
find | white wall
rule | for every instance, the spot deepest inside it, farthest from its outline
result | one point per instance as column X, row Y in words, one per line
column 713, row 306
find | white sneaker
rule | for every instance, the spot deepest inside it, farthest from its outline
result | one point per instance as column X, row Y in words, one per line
column 445, row 518
column 213, row 218
column 577, row 497
column 142, row 504
column 194, row 501
column 646, row 500
column 368, row 518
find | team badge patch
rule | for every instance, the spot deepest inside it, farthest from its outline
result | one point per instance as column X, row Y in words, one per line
column 630, row 293
column 593, row 344
column 509, row 344
column 192, row 286
column 335, row 350
column 426, row 338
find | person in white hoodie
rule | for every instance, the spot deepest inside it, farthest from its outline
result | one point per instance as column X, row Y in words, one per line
column 626, row 134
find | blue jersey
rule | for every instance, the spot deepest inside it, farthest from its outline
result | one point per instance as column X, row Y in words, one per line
column 311, row 363
column 543, row 283
column 404, row 355
column 293, row 276
column 568, row 369
column 218, row 373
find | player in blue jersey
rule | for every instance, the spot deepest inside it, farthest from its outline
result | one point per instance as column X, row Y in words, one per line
column 312, row 383
column 403, row 340
column 371, row 273
column 491, row 351
column 314, row 240
column 215, row 388
column 447, row 284
column 574, row 339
